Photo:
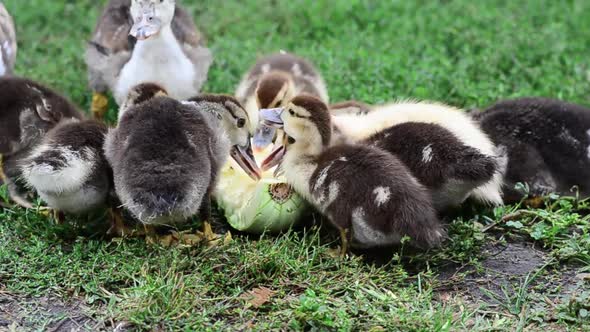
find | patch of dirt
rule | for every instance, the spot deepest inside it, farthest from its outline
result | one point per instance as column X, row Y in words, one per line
column 505, row 271
column 23, row 313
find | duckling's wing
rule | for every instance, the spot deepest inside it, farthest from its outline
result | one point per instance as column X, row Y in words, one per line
column 113, row 26
column 8, row 46
column 185, row 30
column 110, row 46
column 193, row 44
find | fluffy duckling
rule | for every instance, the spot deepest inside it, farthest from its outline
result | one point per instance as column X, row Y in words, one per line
column 166, row 155
column 145, row 41
column 8, row 46
column 359, row 188
column 271, row 82
column 358, row 128
column 29, row 110
column 438, row 159
column 68, row 168
column 547, row 142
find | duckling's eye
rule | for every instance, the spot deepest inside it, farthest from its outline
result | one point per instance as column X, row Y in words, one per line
column 291, row 112
column 241, row 122
column 291, row 140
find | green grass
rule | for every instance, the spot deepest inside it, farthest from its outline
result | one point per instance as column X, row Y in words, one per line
column 466, row 53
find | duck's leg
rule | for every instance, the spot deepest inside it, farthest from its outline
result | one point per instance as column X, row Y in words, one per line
column 59, row 217
column 118, row 227
column 205, row 214
column 2, row 175
column 99, row 107
column 344, row 242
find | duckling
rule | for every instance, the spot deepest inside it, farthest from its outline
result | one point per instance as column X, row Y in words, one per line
column 8, row 46
column 547, row 142
column 357, row 187
column 29, row 110
column 438, row 159
column 166, row 155
column 145, row 41
column 272, row 81
column 68, row 168
column 357, row 128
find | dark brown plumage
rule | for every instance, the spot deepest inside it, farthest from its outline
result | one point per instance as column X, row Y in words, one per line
column 378, row 198
column 438, row 159
column 269, row 87
column 547, row 142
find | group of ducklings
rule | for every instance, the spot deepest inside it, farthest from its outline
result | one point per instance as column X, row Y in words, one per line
column 376, row 172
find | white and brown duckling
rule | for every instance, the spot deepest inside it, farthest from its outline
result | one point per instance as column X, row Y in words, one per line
column 450, row 169
column 145, row 41
column 166, row 155
column 547, row 142
column 28, row 111
column 466, row 134
column 359, row 188
column 8, row 46
column 274, row 80
column 68, row 168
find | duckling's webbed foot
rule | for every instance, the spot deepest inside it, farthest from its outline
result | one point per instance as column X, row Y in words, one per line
column 534, row 202
column 205, row 214
column 118, row 226
column 99, row 107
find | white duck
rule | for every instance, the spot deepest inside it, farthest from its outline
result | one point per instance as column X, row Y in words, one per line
column 145, row 41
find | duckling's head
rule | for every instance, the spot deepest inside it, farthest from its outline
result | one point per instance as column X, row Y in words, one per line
column 236, row 123
column 150, row 16
column 307, row 126
column 142, row 93
column 274, row 90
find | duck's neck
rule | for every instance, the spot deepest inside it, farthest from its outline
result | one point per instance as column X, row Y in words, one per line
column 298, row 167
column 158, row 47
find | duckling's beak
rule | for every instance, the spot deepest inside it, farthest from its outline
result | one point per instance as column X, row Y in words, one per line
column 271, row 117
column 146, row 25
column 263, row 137
column 245, row 158
column 274, row 158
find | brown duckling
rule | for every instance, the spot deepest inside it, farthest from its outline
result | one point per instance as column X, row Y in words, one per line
column 450, row 169
column 145, row 41
column 8, row 46
column 466, row 133
column 547, row 143
column 166, row 155
column 359, row 188
column 274, row 80
column 68, row 168
column 29, row 110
